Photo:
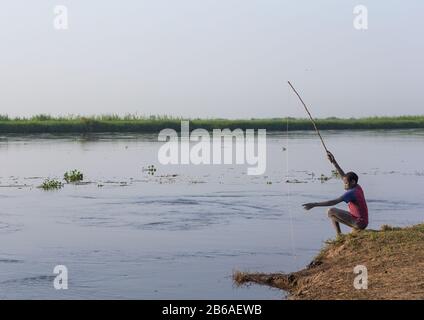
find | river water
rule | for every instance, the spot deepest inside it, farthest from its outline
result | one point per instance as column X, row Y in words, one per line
column 180, row 233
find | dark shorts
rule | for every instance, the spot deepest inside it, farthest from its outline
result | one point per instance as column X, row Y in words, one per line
column 347, row 219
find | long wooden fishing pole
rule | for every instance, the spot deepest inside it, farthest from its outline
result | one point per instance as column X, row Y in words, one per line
column 310, row 116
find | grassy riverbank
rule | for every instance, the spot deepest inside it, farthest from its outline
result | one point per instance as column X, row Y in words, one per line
column 132, row 123
column 394, row 258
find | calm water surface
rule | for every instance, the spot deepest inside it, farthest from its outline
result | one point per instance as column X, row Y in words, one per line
column 182, row 232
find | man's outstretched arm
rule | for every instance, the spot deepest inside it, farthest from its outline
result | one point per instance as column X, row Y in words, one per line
column 309, row 206
column 336, row 165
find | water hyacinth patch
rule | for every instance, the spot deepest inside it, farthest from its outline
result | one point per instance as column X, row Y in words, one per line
column 51, row 184
column 73, row 176
column 150, row 169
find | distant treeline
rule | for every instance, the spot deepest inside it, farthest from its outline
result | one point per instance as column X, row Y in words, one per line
column 152, row 124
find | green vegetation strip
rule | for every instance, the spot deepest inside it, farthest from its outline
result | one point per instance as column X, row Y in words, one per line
column 153, row 124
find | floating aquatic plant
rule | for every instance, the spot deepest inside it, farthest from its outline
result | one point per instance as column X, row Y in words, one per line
column 150, row 169
column 323, row 178
column 73, row 176
column 51, row 184
column 295, row 181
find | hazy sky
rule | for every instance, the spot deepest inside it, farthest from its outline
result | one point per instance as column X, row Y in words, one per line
column 211, row 58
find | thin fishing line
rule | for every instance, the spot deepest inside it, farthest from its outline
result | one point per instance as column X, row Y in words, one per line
column 293, row 244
